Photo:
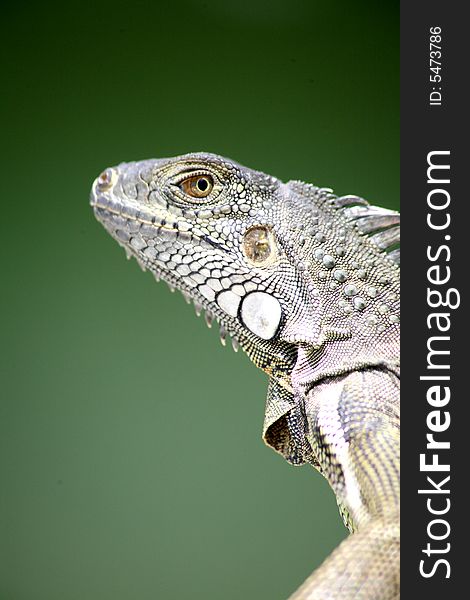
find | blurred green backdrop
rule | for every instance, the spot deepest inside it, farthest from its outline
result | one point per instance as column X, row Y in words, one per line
column 117, row 480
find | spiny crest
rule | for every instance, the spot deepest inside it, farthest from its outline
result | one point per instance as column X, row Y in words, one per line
column 380, row 225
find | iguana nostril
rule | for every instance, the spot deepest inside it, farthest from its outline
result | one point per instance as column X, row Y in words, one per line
column 106, row 180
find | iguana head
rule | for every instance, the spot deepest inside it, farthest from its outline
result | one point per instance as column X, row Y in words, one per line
column 255, row 254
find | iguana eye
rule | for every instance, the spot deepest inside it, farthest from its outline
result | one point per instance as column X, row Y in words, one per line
column 259, row 245
column 197, row 186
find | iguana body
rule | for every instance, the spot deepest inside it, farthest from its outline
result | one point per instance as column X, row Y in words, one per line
column 308, row 285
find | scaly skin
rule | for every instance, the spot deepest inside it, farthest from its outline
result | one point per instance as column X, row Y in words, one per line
column 307, row 284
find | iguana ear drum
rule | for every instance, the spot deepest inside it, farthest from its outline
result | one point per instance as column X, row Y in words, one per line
column 261, row 314
column 259, row 246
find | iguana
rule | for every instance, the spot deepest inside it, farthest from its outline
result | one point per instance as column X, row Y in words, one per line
column 307, row 284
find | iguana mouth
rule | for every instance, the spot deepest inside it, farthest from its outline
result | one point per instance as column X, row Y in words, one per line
column 102, row 205
column 123, row 224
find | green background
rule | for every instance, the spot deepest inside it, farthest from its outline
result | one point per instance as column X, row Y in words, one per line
column 118, row 477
